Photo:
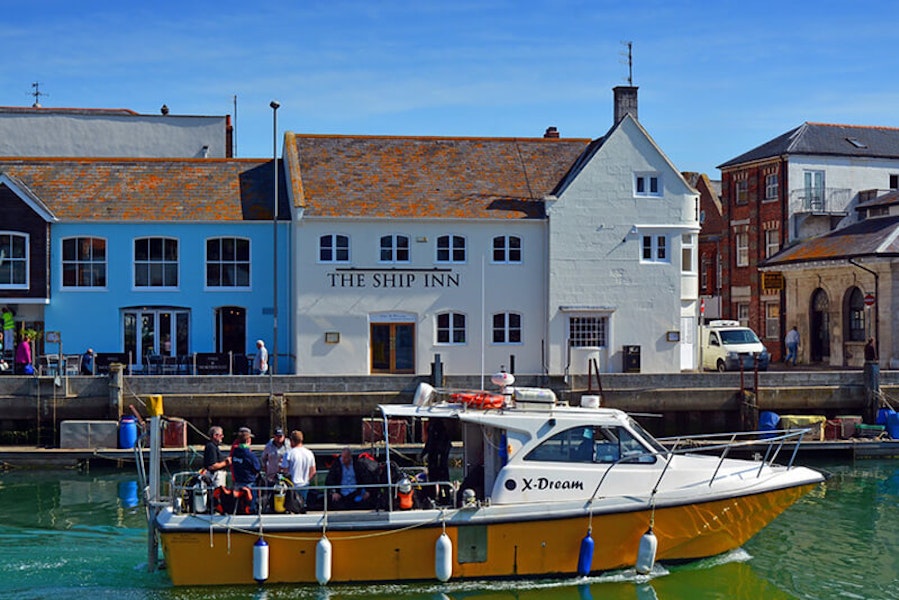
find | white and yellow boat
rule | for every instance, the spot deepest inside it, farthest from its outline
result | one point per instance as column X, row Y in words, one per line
column 566, row 490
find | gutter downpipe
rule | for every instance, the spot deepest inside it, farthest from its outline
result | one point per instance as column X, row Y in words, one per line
column 876, row 302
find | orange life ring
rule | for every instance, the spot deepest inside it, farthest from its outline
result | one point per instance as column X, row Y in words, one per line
column 482, row 400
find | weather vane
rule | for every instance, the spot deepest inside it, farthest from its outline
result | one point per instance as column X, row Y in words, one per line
column 37, row 93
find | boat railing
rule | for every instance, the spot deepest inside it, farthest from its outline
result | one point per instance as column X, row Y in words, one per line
column 772, row 440
column 383, row 495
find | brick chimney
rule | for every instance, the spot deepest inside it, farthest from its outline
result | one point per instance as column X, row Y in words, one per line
column 551, row 132
column 625, row 101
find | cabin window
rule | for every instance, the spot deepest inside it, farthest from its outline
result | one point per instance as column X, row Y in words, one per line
column 589, row 444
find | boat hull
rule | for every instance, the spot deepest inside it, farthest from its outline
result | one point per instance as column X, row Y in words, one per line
column 481, row 548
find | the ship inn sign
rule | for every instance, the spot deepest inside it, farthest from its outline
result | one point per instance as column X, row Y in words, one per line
column 353, row 277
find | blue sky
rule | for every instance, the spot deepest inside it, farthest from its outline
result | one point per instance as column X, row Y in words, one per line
column 715, row 78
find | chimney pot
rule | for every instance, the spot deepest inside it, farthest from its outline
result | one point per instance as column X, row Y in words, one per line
column 551, row 132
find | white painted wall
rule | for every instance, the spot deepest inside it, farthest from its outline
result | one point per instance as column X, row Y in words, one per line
column 328, row 300
column 595, row 232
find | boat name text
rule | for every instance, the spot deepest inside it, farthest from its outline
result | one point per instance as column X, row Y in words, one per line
column 542, row 483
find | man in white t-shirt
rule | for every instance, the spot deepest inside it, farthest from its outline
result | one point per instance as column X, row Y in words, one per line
column 299, row 462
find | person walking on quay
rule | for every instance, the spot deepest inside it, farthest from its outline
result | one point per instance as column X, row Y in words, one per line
column 273, row 455
column 87, row 362
column 870, row 351
column 792, row 342
column 214, row 461
column 24, row 365
column 260, row 362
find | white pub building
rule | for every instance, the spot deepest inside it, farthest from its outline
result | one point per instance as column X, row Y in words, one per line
column 533, row 254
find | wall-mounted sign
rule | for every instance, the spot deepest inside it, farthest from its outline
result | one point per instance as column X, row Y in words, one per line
column 772, row 281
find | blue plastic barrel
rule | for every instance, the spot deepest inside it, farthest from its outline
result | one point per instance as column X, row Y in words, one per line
column 893, row 425
column 768, row 422
column 127, row 432
column 883, row 414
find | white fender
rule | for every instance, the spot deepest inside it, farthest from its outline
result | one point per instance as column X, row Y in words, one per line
column 323, row 561
column 443, row 557
column 260, row 560
column 646, row 553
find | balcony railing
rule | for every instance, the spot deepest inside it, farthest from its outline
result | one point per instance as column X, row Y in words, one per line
column 820, row 200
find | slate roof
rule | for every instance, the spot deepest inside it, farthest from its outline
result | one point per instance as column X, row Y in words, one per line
column 150, row 189
column 868, row 238
column 888, row 199
column 826, row 139
column 427, row 177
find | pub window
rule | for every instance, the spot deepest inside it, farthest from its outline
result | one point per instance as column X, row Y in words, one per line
column 507, row 328
column 13, row 260
column 334, row 248
column 394, row 249
column 451, row 249
column 155, row 262
column 84, row 262
column 450, row 328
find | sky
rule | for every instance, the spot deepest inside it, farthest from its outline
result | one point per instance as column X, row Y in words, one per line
column 715, row 79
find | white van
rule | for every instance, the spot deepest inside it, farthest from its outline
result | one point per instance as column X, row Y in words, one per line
column 727, row 344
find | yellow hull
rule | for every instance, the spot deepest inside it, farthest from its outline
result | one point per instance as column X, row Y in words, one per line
column 507, row 549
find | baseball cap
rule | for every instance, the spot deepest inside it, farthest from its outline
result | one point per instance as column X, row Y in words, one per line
column 243, row 430
column 279, row 431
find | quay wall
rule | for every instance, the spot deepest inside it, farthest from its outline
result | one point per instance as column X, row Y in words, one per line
column 334, row 407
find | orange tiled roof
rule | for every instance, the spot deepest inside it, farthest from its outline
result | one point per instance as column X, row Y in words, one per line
column 108, row 189
column 429, row 177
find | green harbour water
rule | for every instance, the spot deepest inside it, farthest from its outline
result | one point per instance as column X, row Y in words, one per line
column 66, row 534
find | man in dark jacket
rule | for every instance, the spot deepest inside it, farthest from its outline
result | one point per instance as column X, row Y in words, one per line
column 344, row 477
column 245, row 465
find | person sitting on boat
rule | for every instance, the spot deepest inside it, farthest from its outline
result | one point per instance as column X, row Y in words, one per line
column 245, row 465
column 343, row 479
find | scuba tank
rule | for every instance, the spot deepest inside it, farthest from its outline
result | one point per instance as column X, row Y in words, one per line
column 280, row 497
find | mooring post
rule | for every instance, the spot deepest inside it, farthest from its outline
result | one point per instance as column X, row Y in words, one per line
column 437, row 371
column 872, row 390
column 116, row 390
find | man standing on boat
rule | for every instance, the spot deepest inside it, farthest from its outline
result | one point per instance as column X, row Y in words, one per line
column 245, row 466
column 299, row 462
column 273, row 455
column 214, row 461
column 344, row 477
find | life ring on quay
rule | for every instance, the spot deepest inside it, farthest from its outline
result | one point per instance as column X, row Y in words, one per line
column 481, row 400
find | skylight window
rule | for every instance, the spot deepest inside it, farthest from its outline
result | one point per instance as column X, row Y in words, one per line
column 856, row 142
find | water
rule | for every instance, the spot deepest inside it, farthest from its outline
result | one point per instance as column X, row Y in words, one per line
column 65, row 534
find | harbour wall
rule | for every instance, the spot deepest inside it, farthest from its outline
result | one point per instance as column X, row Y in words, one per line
column 334, row 408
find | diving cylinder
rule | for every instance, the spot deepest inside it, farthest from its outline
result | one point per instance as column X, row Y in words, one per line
column 323, row 560
column 260, row 560
column 443, row 558
column 646, row 552
column 280, row 497
column 200, row 500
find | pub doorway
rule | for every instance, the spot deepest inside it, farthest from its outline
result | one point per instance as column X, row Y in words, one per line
column 392, row 347
column 819, row 327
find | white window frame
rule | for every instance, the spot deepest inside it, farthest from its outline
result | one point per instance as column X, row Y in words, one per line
column 688, row 253
column 449, row 246
column 329, row 242
column 152, row 264
column 84, row 266
column 392, row 251
column 743, row 313
column 741, row 191
column 588, row 330
column 505, row 247
column 17, row 285
column 457, row 324
column 772, row 320
column 507, row 329
column 741, row 247
column 654, row 248
column 771, row 187
column 222, row 263
column 648, row 185
column 772, row 242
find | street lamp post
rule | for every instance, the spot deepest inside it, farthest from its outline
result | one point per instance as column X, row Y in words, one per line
column 272, row 365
